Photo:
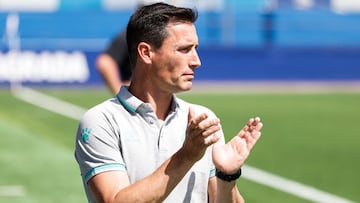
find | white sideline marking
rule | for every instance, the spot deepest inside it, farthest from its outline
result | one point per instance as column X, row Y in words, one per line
column 11, row 190
column 292, row 187
column 47, row 102
column 262, row 177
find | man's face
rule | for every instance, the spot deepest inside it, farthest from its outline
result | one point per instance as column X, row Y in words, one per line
column 175, row 61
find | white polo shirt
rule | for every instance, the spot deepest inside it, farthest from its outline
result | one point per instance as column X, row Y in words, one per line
column 123, row 133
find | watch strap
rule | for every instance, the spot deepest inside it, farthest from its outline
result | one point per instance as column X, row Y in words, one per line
column 228, row 177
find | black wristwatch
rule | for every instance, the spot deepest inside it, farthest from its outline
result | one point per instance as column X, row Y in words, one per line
column 228, row 177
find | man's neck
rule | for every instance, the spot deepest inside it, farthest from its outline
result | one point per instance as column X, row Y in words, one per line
column 160, row 101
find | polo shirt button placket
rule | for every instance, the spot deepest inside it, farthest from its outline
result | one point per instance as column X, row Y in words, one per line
column 151, row 121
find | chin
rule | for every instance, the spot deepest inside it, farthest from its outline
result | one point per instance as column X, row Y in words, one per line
column 185, row 87
column 188, row 85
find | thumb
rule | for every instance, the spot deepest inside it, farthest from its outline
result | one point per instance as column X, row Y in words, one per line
column 191, row 114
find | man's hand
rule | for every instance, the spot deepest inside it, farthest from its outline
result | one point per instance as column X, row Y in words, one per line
column 231, row 156
column 200, row 133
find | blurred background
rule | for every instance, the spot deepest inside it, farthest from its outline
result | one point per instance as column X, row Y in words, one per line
column 295, row 63
column 275, row 39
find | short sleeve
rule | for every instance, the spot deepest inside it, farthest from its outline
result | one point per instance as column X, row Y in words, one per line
column 97, row 147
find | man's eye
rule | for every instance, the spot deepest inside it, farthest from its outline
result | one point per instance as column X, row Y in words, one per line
column 185, row 49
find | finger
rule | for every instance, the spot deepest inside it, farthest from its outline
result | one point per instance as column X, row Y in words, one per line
column 212, row 139
column 248, row 126
column 241, row 134
column 253, row 124
column 257, row 120
column 248, row 136
column 253, row 139
column 250, row 122
column 249, row 140
column 191, row 114
column 194, row 121
column 209, row 123
column 211, row 130
column 256, row 135
column 192, row 125
column 240, row 145
column 258, row 126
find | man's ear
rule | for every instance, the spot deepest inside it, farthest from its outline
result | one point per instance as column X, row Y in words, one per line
column 144, row 50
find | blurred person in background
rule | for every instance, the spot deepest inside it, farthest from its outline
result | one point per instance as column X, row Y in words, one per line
column 147, row 145
column 114, row 65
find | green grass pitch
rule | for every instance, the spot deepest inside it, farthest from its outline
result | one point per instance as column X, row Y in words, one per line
column 310, row 138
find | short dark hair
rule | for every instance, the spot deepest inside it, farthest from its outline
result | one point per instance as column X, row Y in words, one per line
column 148, row 24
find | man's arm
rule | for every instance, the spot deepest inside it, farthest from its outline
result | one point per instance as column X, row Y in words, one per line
column 222, row 191
column 231, row 156
column 114, row 186
column 228, row 192
column 109, row 71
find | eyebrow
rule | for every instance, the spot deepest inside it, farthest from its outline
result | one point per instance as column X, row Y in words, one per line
column 186, row 46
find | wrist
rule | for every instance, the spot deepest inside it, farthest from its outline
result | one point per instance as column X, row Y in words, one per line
column 228, row 177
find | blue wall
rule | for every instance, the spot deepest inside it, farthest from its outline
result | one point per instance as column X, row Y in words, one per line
column 300, row 45
column 280, row 63
column 236, row 28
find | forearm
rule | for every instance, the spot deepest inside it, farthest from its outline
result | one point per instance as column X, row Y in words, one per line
column 112, row 79
column 157, row 186
column 108, row 69
column 228, row 192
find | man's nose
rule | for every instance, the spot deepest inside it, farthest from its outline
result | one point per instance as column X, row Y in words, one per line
column 195, row 61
